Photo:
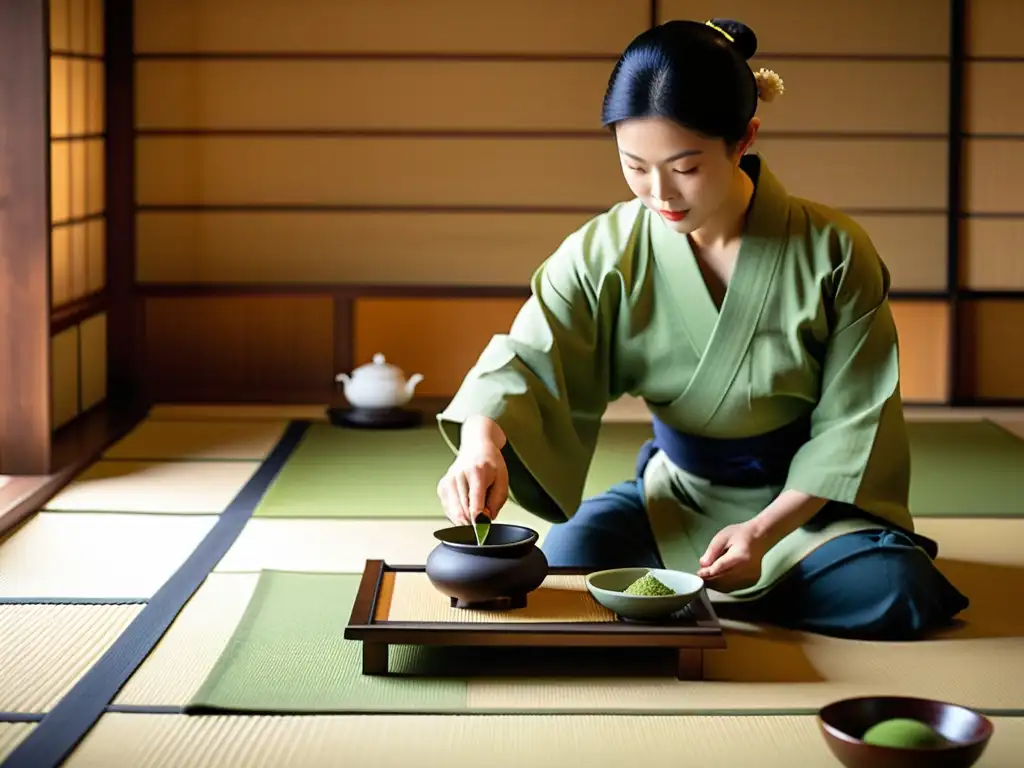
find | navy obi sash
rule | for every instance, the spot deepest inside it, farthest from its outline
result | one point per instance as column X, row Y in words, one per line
column 746, row 462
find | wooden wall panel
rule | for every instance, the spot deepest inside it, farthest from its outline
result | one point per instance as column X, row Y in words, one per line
column 439, row 338
column 880, row 27
column 430, row 248
column 64, row 377
column 994, row 28
column 994, row 254
column 924, row 329
column 993, row 172
column 239, row 348
column 379, row 171
column 409, row 95
column 338, row 247
column 906, row 96
column 878, row 150
column 913, row 247
column 877, row 174
column 433, row 337
column 993, row 358
column 862, row 96
column 994, row 98
column 992, row 339
column 93, row 365
column 78, row 369
column 393, row 26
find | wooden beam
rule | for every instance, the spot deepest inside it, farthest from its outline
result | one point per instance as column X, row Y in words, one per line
column 125, row 328
column 25, row 420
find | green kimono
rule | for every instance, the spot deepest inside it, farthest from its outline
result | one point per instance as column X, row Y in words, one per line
column 804, row 330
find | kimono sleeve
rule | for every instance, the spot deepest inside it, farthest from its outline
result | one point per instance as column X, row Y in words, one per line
column 859, row 452
column 547, row 381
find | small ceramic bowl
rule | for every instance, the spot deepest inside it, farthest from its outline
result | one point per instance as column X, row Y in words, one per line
column 607, row 588
column 843, row 723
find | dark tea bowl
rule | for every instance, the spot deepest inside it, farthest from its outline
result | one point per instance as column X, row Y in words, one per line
column 963, row 733
column 495, row 575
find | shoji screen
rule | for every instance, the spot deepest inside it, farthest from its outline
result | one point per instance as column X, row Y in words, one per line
column 77, row 190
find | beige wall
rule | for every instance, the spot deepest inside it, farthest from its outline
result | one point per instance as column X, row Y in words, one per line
column 364, row 183
column 77, row 178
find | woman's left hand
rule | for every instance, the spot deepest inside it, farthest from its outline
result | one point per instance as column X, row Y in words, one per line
column 733, row 558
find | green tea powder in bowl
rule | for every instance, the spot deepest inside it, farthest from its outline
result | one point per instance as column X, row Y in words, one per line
column 648, row 586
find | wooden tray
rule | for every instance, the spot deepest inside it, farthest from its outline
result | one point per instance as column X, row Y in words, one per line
column 397, row 605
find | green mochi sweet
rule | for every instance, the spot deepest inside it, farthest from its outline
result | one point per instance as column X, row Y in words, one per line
column 904, row 732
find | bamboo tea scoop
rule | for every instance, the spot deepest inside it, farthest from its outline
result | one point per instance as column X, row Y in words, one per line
column 481, row 527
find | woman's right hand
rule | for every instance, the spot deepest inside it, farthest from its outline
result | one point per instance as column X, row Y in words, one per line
column 477, row 481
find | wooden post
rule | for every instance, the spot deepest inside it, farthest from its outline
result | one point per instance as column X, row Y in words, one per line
column 125, row 328
column 25, row 418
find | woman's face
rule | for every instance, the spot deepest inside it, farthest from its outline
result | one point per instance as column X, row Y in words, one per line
column 679, row 175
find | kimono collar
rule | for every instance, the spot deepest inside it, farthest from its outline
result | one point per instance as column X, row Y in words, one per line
column 768, row 215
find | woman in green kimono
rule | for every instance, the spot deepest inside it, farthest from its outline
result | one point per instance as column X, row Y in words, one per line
column 755, row 325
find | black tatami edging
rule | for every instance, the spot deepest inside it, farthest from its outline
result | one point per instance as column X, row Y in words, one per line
column 146, row 709
column 20, row 717
column 73, row 600
column 61, row 729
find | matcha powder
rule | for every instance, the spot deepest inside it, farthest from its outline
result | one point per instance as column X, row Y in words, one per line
column 648, row 586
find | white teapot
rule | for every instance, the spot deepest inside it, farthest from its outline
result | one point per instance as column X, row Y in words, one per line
column 378, row 385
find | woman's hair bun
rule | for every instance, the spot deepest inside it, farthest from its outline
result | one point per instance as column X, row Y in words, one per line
column 743, row 38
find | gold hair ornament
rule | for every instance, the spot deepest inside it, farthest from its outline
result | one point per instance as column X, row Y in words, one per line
column 769, row 84
column 717, row 28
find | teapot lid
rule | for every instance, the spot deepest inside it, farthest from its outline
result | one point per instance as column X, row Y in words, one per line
column 378, row 368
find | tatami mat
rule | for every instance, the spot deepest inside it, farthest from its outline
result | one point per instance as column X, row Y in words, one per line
column 171, row 741
column 155, row 440
column 992, row 541
column 56, row 554
column 45, row 649
column 214, row 412
column 175, row 487
column 97, row 552
column 338, row 546
column 188, row 650
column 11, row 735
column 981, row 663
column 1016, row 426
column 786, row 673
column 343, row 544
